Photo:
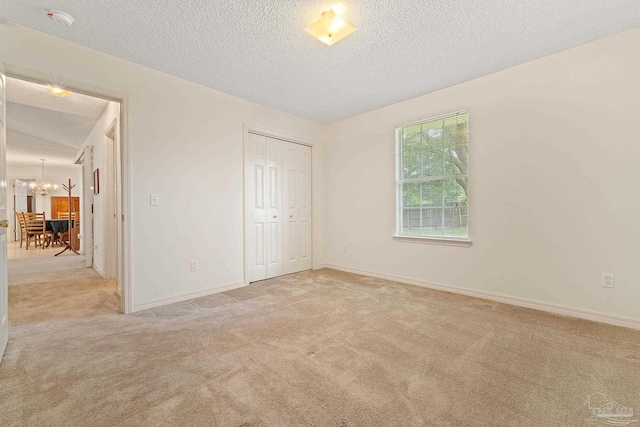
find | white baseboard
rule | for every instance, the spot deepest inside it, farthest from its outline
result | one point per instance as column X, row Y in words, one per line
column 185, row 297
column 100, row 272
column 520, row 302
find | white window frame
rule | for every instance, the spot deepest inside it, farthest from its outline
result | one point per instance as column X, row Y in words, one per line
column 441, row 240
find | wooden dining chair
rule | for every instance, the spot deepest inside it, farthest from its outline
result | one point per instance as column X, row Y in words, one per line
column 64, row 215
column 74, row 217
column 36, row 228
column 20, row 223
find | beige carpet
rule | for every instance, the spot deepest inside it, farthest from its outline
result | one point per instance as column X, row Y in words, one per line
column 43, row 289
column 319, row 348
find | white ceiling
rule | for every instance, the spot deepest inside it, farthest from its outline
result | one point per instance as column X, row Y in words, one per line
column 36, row 95
column 258, row 50
column 27, row 150
column 43, row 126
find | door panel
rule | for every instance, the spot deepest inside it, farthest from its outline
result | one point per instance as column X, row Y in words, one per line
column 259, row 246
column 4, row 284
column 291, row 208
column 274, row 213
column 304, row 209
column 255, row 224
column 259, row 186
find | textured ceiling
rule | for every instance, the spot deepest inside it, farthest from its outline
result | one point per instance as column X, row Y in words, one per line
column 258, row 50
column 62, row 128
column 35, row 95
column 43, row 126
column 27, row 150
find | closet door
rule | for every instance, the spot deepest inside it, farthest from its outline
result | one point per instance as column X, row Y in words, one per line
column 291, row 194
column 274, row 198
column 304, row 208
column 277, row 208
column 255, row 208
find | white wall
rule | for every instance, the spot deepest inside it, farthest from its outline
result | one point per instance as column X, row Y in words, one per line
column 186, row 146
column 101, row 149
column 555, row 158
column 54, row 174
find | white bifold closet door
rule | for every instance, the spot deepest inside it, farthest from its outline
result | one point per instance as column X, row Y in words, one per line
column 278, row 207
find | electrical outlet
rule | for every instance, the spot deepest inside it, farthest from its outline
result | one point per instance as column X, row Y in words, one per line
column 193, row 265
column 344, row 249
column 608, row 280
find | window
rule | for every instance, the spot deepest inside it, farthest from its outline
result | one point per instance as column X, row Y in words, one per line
column 432, row 178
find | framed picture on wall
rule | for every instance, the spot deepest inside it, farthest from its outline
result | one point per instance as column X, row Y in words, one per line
column 96, row 181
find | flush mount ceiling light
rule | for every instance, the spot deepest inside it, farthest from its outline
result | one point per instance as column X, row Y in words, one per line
column 330, row 28
column 58, row 91
column 60, row 17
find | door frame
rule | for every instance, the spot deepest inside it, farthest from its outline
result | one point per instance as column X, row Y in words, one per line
column 124, row 140
column 111, row 237
column 275, row 135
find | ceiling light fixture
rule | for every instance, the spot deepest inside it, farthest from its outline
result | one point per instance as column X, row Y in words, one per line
column 330, row 28
column 42, row 187
column 58, row 91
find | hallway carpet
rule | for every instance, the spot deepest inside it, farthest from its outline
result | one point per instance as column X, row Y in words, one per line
column 319, row 348
column 42, row 289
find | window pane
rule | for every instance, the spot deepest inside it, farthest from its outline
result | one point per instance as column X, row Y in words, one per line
column 455, row 145
column 455, row 208
column 411, row 152
column 432, row 193
column 411, row 194
column 435, row 208
column 432, row 149
column 411, row 208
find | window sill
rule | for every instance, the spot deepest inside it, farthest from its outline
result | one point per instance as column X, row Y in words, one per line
column 447, row 241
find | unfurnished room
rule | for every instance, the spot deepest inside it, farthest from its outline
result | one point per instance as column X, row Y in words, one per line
column 313, row 213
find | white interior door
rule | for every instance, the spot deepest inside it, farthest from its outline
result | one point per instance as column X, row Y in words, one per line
column 255, row 208
column 274, row 181
column 4, row 223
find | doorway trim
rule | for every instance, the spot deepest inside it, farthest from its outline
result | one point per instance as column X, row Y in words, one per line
column 124, row 139
column 113, row 239
column 251, row 129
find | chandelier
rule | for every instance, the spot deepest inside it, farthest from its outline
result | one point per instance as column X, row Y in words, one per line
column 42, row 187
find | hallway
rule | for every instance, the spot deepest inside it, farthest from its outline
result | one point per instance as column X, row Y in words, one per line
column 44, row 287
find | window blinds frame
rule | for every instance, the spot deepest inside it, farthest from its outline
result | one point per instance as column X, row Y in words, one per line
column 448, row 240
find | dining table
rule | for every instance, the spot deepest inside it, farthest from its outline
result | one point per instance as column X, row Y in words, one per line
column 58, row 226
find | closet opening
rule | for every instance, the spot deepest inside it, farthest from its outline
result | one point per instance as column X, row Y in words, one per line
column 278, row 212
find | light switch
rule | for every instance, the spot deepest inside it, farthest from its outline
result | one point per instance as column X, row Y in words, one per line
column 154, row 200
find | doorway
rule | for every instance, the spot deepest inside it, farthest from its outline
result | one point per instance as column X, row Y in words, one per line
column 39, row 266
column 278, row 211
